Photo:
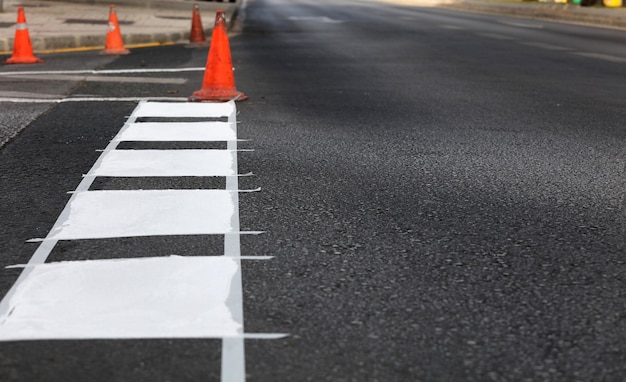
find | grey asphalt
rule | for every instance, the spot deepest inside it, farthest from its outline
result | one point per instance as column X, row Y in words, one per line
column 442, row 195
column 61, row 25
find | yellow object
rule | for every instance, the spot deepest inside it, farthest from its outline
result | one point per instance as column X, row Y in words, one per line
column 612, row 3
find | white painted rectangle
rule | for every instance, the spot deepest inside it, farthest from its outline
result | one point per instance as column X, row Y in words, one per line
column 167, row 297
column 182, row 109
column 134, row 163
column 178, row 132
column 107, row 214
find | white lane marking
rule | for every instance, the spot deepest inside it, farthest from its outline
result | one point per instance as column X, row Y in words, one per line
column 167, row 297
column 186, row 110
column 134, row 163
column 319, row 19
column 496, row 36
column 177, row 131
column 108, row 71
column 451, row 27
column 543, row 45
column 521, row 25
column 122, row 79
column 600, row 56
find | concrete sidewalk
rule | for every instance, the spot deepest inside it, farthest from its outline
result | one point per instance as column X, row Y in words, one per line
column 66, row 25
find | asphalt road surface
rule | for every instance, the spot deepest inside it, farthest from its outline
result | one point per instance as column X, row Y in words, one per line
column 442, row 194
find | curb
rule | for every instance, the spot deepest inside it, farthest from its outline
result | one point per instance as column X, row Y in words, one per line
column 85, row 42
column 70, row 43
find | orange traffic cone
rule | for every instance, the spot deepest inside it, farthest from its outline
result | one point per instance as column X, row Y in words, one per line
column 22, row 48
column 219, row 80
column 197, row 37
column 114, row 43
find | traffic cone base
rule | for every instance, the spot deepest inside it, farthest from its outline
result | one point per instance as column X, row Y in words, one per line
column 217, row 96
column 22, row 47
column 23, row 60
column 218, row 83
column 114, row 43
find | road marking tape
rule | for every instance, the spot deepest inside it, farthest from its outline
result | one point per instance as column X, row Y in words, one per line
column 175, row 297
column 600, row 56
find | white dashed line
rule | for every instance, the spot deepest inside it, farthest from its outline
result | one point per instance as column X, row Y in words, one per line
column 91, row 78
column 600, row 56
column 319, row 19
column 543, row 45
column 521, row 25
column 108, row 71
column 452, row 27
column 496, row 36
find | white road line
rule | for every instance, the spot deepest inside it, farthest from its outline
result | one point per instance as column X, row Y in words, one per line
column 452, row 27
column 496, row 36
column 521, row 25
column 600, row 56
column 109, row 71
column 319, row 19
column 233, row 365
column 92, row 99
column 241, row 257
column 90, row 78
column 543, row 45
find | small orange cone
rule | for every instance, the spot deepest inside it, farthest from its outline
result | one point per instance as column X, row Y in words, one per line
column 22, row 48
column 114, row 43
column 197, row 36
column 219, row 80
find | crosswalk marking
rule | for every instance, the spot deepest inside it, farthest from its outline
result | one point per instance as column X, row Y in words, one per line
column 177, row 132
column 186, row 110
column 171, row 299
column 136, row 163
column 117, row 213
column 174, row 297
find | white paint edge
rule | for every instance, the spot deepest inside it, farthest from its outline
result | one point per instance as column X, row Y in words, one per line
column 233, row 364
column 108, row 71
column 93, row 99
